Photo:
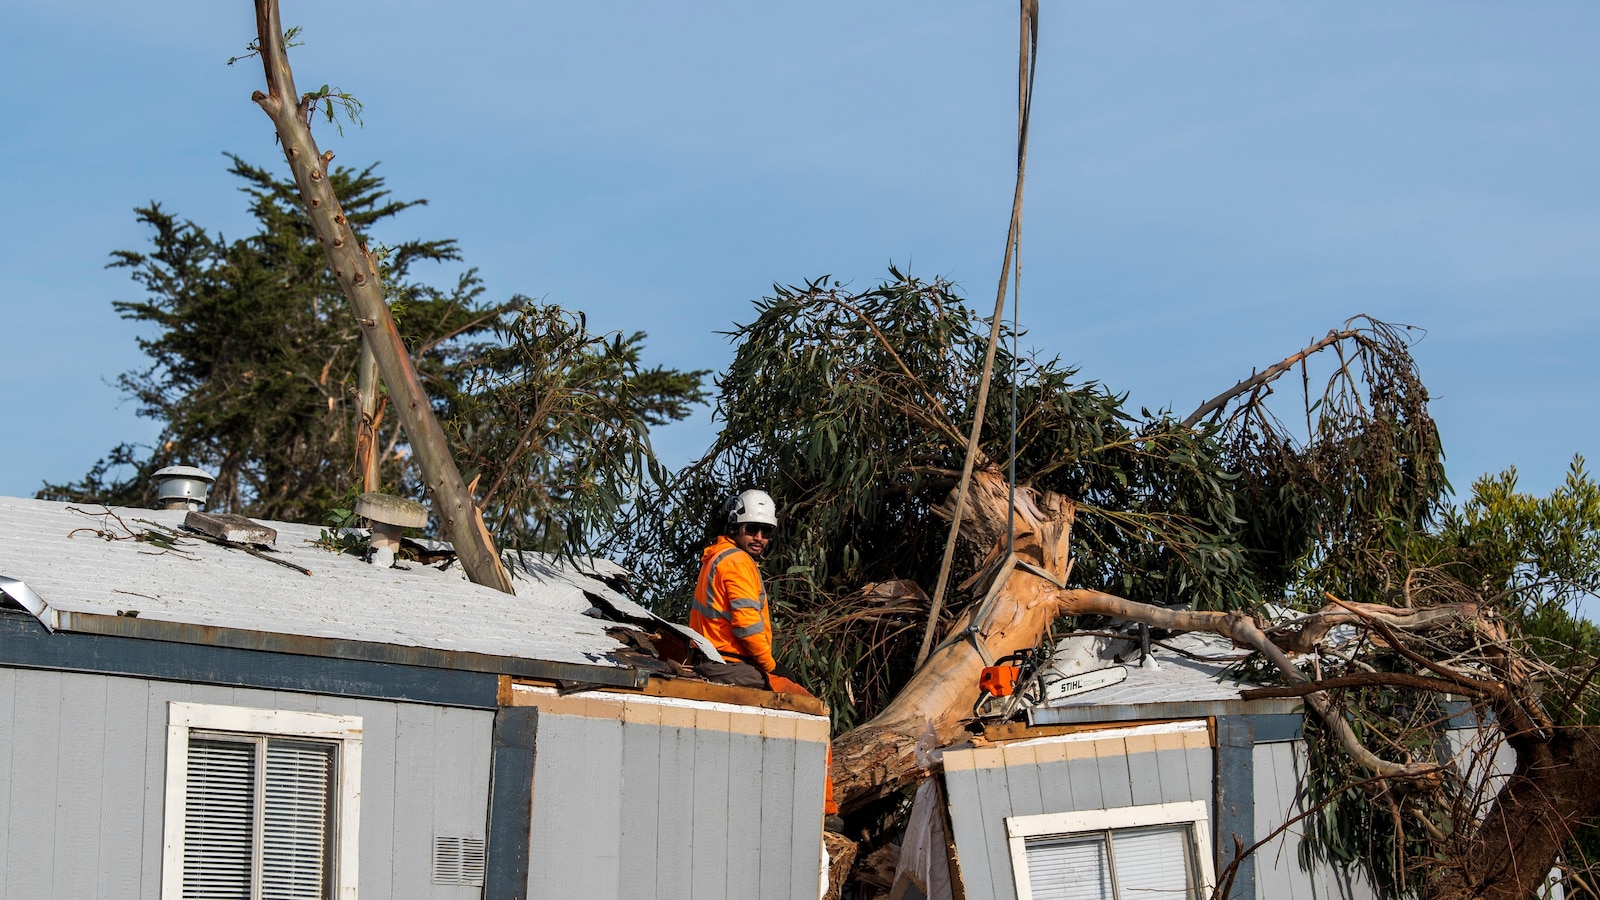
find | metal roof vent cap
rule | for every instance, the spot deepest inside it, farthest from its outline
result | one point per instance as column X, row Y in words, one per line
column 182, row 487
column 389, row 516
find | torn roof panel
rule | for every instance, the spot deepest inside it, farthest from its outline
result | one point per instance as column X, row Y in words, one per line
column 589, row 571
column 62, row 552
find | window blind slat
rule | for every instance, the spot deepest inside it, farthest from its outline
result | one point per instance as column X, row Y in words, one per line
column 1153, row 863
column 1068, row 868
column 222, row 812
column 219, row 819
column 295, row 837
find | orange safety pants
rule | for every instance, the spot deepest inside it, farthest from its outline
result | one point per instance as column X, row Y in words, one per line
column 783, row 685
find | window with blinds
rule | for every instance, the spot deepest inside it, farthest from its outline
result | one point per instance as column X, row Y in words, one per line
column 1154, row 852
column 258, row 818
column 1144, row 863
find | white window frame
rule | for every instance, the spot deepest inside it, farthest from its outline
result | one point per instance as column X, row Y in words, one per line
column 1191, row 812
column 343, row 730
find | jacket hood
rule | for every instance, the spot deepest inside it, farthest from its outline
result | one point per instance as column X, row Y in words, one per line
column 722, row 543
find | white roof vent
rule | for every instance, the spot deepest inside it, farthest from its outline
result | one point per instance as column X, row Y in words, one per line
column 182, row 487
column 389, row 516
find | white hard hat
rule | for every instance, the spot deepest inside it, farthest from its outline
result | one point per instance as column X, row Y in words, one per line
column 752, row 506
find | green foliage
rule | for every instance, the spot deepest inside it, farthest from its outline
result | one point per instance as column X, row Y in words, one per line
column 339, row 536
column 253, row 354
column 852, row 409
column 1329, row 508
column 332, row 101
column 1536, row 562
column 291, row 39
column 1528, row 552
column 253, row 357
column 555, row 419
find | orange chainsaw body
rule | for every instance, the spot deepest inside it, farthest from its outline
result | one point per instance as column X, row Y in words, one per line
column 999, row 681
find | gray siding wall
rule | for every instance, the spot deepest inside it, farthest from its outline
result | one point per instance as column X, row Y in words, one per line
column 1482, row 758
column 1279, row 770
column 82, row 769
column 987, row 786
column 632, row 802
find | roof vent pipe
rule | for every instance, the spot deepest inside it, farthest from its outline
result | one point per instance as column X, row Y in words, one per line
column 389, row 516
column 182, row 487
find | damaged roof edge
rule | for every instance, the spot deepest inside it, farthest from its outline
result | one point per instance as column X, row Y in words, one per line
column 641, row 615
column 301, row 645
column 29, row 600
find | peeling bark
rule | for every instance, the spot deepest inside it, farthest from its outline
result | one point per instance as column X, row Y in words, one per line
column 876, row 758
column 369, row 419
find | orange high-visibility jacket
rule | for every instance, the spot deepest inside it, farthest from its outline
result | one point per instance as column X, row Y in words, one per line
column 730, row 605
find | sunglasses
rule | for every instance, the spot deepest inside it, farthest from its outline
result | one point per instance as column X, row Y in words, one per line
column 756, row 529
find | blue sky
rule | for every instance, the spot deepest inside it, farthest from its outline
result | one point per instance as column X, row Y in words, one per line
column 1210, row 185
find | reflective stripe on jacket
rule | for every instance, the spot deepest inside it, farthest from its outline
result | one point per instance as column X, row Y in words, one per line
column 730, row 605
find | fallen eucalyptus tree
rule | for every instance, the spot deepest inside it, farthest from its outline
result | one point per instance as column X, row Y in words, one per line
column 852, row 409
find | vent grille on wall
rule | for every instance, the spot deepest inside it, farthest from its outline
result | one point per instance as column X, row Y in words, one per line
column 458, row 860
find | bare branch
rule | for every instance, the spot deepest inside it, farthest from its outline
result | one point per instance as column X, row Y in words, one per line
column 1265, row 376
column 1365, row 679
column 1246, row 633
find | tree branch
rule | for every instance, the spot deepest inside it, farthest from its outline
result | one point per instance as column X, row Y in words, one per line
column 1246, row 633
column 1265, row 376
column 1365, row 679
column 944, row 424
column 1303, row 634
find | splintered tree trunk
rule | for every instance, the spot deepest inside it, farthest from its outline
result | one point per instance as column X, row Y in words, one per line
column 876, row 758
column 1507, row 856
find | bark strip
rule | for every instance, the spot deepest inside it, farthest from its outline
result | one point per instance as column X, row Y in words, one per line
column 369, row 419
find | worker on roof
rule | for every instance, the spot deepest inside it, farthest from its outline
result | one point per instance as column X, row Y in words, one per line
column 730, row 603
column 730, row 608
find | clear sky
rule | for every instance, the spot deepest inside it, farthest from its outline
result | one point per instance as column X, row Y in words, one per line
column 1210, row 185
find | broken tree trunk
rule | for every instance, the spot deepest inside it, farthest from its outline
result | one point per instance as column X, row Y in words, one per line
column 1507, row 854
column 357, row 274
column 876, row 758
column 369, row 419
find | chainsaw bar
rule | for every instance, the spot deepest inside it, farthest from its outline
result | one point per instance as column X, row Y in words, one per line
column 1084, row 682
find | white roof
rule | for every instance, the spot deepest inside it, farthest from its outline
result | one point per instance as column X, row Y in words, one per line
column 1190, row 673
column 1174, row 678
column 81, row 558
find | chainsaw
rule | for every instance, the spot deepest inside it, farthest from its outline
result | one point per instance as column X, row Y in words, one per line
column 1017, row 678
column 1010, row 677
